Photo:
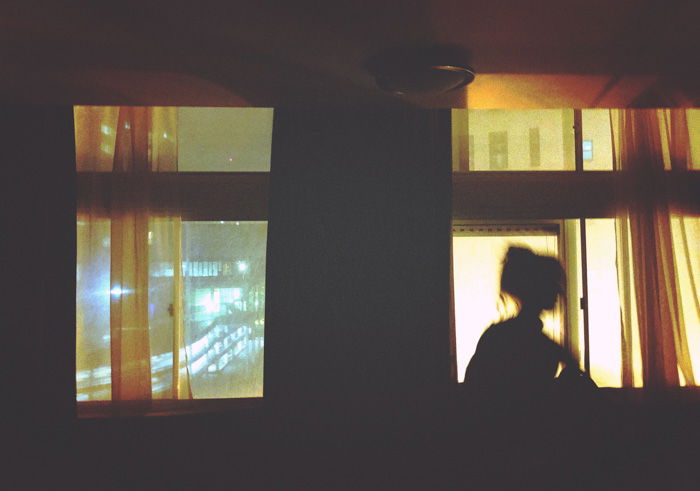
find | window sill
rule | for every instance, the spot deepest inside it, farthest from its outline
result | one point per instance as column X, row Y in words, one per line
column 638, row 395
column 163, row 407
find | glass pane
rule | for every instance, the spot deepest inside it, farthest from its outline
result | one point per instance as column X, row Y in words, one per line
column 512, row 140
column 162, row 243
column 93, row 371
column 597, row 139
column 95, row 136
column 574, row 288
column 686, row 247
column 214, row 139
column 604, row 326
column 477, row 267
column 693, row 116
column 224, row 307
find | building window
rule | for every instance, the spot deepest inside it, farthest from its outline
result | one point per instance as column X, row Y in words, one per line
column 534, row 147
column 513, row 140
column 587, row 150
column 498, row 150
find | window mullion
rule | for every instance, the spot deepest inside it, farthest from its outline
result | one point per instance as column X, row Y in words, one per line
column 578, row 140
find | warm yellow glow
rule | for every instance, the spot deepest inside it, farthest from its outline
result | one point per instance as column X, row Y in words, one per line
column 95, row 136
column 537, row 91
column 693, row 116
column 477, row 269
column 686, row 245
column 529, row 91
column 603, row 303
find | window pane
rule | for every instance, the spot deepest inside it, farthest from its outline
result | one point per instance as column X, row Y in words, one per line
column 162, row 244
column 511, row 140
column 693, row 116
column 93, row 371
column 597, row 139
column 224, row 307
column 603, row 303
column 686, row 247
column 224, row 139
column 477, row 267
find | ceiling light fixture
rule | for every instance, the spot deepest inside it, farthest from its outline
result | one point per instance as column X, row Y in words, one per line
column 432, row 69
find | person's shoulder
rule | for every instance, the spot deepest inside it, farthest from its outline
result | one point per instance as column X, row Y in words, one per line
column 496, row 331
column 501, row 327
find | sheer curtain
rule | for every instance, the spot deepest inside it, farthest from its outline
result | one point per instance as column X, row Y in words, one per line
column 120, row 152
column 657, row 251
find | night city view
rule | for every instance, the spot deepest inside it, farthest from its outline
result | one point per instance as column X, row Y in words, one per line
column 222, row 309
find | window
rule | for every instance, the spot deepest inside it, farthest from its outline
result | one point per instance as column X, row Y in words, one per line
column 477, row 252
column 498, row 150
column 507, row 140
column 534, row 147
column 171, row 253
column 587, row 150
column 600, row 237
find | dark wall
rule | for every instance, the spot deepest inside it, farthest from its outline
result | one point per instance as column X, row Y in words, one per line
column 38, row 325
column 38, row 313
column 358, row 255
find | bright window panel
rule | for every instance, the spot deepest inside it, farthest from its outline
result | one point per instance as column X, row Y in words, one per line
column 224, row 307
column 686, row 248
column 595, row 128
column 477, row 264
column 693, row 116
column 491, row 139
column 223, row 297
column 162, row 247
column 93, row 371
column 604, row 326
column 224, row 139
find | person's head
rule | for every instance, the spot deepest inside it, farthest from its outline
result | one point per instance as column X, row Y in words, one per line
column 535, row 281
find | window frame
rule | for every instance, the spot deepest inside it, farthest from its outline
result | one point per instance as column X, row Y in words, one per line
column 534, row 196
column 193, row 196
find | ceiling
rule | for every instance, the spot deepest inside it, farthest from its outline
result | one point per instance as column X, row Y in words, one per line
column 595, row 53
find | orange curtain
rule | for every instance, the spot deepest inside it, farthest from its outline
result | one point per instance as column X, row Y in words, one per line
column 656, row 281
column 132, row 144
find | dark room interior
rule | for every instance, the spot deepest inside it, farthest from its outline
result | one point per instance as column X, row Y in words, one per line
column 360, row 388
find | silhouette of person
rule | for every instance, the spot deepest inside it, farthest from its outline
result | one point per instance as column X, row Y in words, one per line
column 510, row 381
column 514, row 361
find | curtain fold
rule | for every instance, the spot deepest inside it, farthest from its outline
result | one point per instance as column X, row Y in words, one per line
column 653, row 276
column 132, row 144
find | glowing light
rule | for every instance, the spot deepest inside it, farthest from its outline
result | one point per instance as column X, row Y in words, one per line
column 477, row 264
column 106, row 130
column 165, row 135
column 117, row 291
column 242, row 266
